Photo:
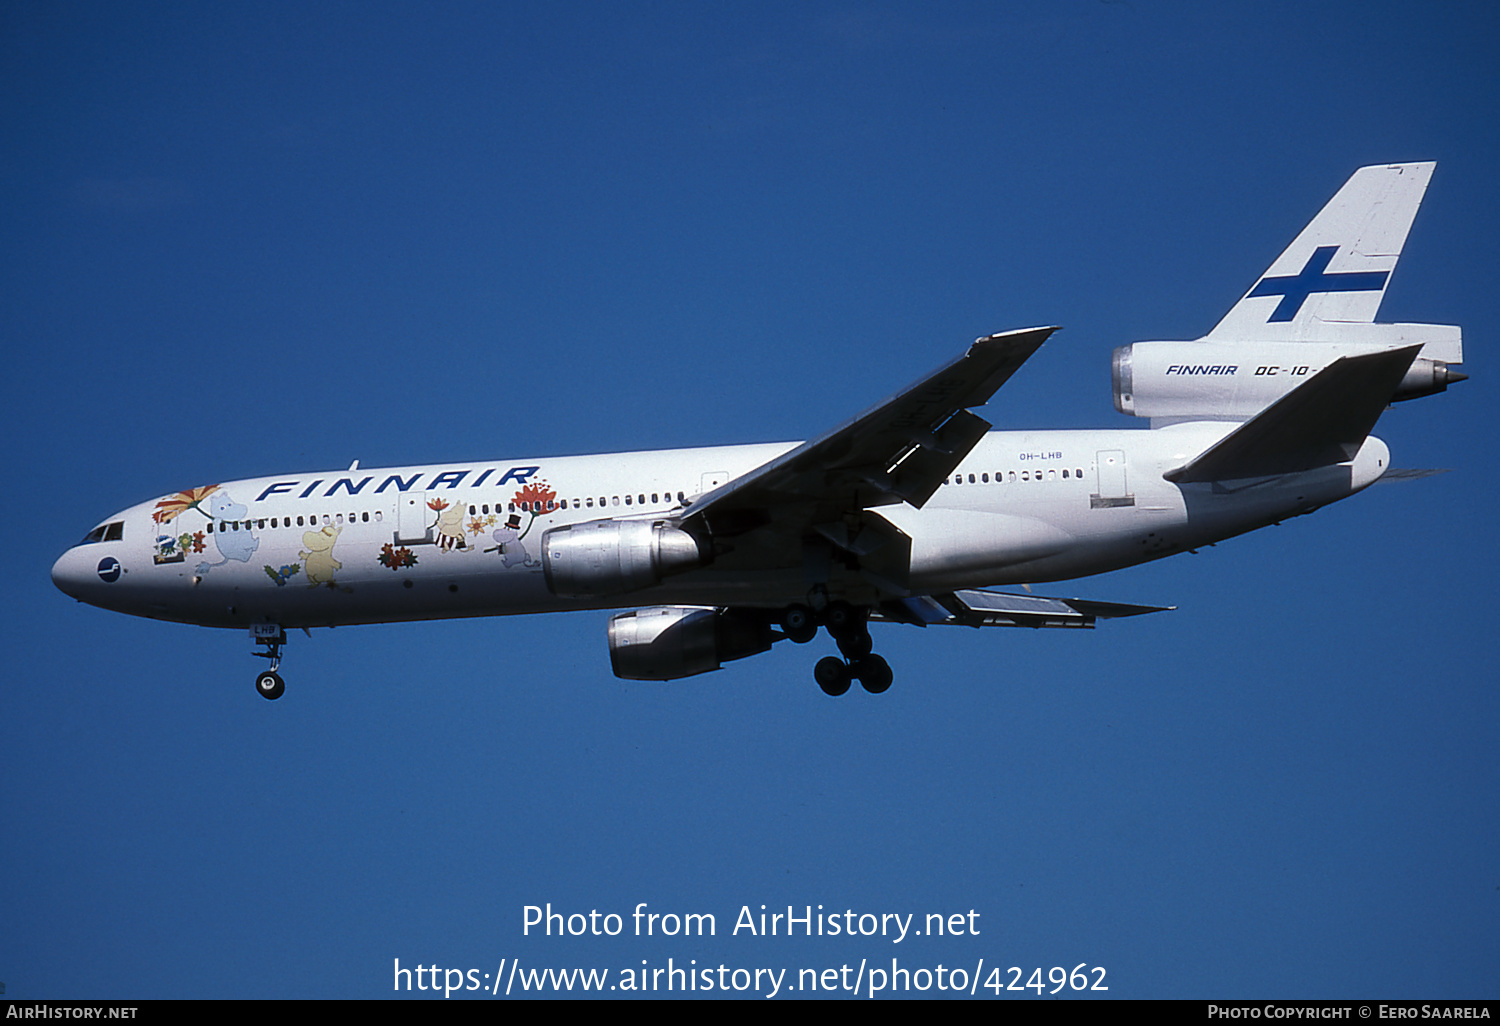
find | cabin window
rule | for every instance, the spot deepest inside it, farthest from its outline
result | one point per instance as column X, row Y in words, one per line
column 589, row 502
column 654, row 499
column 627, row 500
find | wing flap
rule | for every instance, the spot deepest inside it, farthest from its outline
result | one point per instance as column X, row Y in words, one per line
column 974, row 607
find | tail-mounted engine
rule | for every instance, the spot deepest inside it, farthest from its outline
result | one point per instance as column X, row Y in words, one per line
column 612, row 557
column 1236, row 380
column 668, row 642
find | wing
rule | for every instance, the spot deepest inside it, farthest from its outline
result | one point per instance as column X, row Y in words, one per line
column 899, row 450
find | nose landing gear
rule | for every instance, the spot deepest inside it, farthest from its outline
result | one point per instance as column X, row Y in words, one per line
column 270, row 685
column 269, row 682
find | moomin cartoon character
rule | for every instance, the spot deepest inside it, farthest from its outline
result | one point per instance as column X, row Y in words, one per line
column 512, row 552
column 234, row 542
column 450, row 525
column 318, row 561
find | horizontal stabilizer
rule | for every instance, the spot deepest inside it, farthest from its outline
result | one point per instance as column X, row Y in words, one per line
column 1317, row 424
column 976, row 608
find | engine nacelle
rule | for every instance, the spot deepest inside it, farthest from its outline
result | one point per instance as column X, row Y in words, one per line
column 1236, row 380
column 668, row 642
column 611, row 557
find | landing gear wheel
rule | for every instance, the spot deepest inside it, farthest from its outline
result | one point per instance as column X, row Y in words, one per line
column 832, row 675
column 799, row 623
column 855, row 645
column 270, row 685
column 874, row 674
column 841, row 617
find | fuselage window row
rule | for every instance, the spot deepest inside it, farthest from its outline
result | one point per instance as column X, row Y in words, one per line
column 1026, row 475
column 115, row 531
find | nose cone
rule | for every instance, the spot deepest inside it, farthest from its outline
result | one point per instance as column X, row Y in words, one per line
column 84, row 571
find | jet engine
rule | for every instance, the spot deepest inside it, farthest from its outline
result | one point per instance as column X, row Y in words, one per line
column 611, row 557
column 668, row 642
column 1235, row 381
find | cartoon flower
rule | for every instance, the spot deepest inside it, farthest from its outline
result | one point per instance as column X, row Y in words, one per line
column 198, row 545
column 437, row 505
column 185, row 542
column 538, row 495
column 397, row 558
column 476, row 526
column 283, row 575
column 169, row 508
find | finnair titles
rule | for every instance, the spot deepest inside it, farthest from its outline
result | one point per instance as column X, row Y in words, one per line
column 912, row 512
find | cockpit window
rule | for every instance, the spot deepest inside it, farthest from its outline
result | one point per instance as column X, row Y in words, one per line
column 105, row 532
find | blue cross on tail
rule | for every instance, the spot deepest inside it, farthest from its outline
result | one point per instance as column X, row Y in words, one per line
column 1294, row 290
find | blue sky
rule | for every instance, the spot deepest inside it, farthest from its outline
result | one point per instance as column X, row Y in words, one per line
column 243, row 242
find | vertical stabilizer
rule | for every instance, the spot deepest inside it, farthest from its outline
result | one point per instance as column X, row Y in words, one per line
column 1337, row 270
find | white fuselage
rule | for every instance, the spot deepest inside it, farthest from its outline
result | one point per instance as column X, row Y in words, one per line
column 449, row 540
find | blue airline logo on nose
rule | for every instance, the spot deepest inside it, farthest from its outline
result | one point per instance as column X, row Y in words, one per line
column 1295, row 289
column 109, row 569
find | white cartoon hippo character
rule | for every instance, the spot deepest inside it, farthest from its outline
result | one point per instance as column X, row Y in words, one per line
column 512, row 552
column 318, row 561
column 233, row 544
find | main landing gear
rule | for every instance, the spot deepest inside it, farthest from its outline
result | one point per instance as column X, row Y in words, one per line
column 850, row 631
column 269, row 682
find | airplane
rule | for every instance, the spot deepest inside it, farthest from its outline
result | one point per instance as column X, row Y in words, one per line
column 912, row 512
